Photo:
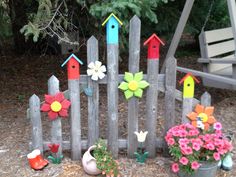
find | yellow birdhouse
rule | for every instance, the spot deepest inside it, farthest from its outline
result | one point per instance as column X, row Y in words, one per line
column 189, row 85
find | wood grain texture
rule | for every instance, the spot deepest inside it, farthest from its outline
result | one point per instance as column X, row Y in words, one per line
column 218, row 61
column 178, row 32
column 234, row 75
column 56, row 129
column 170, row 85
column 151, row 106
column 187, row 108
column 134, row 60
column 214, row 77
column 161, row 87
column 206, row 99
column 93, row 101
column 75, row 122
column 35, row 117
column 218, row 35
column 122, row 144
column 112, row 97
column 232, row 14
column 84, row 81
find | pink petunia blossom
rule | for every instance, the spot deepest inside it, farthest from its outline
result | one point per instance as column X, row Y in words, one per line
column 196, row 146
column 175, row 167
column 210, row 146
column 216, row 156
column 183, row 141
column 194, row 132
column 183, row 160
column 183, row 133
column 217, row 126
column 187, row 151
column 195, row 165
column 170, row 141
column 183, row 146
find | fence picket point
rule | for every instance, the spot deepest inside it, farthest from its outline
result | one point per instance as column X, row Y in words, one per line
column 206, row 99
column 35, row 117
column 134, row 59
column 93, row 101
column 170, row 96
column 56, row 130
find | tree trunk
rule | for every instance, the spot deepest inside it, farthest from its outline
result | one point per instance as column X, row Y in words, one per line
column 18, row 20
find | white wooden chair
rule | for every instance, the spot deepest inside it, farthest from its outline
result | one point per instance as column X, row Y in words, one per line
column 218, row 55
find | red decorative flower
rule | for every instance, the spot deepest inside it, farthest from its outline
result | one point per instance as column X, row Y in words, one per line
column 54, row 147
column 56, row 106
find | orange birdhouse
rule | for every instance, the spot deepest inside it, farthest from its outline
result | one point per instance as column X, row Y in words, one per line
column 73, row 67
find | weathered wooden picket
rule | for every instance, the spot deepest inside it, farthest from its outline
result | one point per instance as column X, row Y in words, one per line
column 158, row 82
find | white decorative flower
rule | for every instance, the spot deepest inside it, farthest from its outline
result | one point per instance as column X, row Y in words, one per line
column 96, row 70
column 141, row 136
column 200, row 124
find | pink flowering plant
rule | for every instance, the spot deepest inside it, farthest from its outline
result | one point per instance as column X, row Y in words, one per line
column 189, row 146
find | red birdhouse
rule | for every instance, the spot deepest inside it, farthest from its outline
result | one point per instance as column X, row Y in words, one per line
column 73, row 67
column 153, row 43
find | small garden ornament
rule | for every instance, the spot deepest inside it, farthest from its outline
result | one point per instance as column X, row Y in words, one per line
column 141, row 155
column 189, row 84
column 54, row 156
column 197, row 152
column 88, row 91
column 56, row 106
column 89, row 162
column 99, row 160
column 96, row 70
column 36, row 161
column 133, row 85
column 202, row 115
column 227, row 162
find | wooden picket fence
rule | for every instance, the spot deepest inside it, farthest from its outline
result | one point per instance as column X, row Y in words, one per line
column 158, row 83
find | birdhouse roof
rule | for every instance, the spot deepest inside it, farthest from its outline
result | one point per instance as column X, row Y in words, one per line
column 186, row 76
column 153, row 36
column 112, row 15
column 72, row 56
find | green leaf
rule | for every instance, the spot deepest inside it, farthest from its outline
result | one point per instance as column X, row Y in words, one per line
column 138, row 76
column 123, row 86
column 143, row 84
column 128, row 77
column 128, row 94
column 138, row 93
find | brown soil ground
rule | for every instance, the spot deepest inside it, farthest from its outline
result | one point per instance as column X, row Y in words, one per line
column 21, row 77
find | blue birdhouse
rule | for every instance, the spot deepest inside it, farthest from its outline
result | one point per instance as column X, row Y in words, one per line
column 112, row 29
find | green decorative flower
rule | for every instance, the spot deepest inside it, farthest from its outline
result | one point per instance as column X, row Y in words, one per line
column 134, row 85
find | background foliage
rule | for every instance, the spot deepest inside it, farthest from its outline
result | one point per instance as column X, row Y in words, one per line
column 86, row 16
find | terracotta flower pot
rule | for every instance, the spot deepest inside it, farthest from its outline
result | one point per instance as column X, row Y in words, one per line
column 89, row 162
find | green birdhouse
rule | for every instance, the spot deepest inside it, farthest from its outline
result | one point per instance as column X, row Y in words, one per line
column 189, row 85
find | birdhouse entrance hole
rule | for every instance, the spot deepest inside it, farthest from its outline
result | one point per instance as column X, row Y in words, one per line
column 112, row 26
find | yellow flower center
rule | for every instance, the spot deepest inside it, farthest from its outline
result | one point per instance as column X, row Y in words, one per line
column 56, row 106
column 133, row 85
column 203, row 116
